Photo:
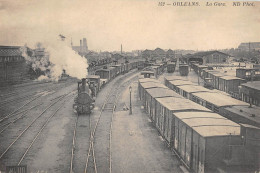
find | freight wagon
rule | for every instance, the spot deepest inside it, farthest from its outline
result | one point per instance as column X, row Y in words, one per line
column 243, row 114
column 163, row 112
column 187, row 90
column 202, row 139
column 193, row 131
column 175, row 83
column 153, row 93
column 171, row 67
column 183, row 69
column 215, row 101
column 143, row 86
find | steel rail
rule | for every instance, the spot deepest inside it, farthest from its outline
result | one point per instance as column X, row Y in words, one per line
column 39, row 132
column 23, row 115
column 29, row 126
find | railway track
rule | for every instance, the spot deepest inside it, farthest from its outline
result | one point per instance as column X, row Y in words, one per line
column 98, row 137
column 35, row 125
column 25, row 95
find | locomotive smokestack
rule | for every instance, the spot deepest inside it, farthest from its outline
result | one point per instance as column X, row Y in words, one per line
column 83, row 84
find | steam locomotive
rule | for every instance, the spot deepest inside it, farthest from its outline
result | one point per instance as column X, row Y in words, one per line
column 83, row 103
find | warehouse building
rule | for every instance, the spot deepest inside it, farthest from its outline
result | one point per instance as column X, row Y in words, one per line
column 208, row 58
column 13, row 66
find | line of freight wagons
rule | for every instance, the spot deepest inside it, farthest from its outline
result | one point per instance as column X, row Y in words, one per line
column 231, row 108
column 205, row 141
column 221, row 81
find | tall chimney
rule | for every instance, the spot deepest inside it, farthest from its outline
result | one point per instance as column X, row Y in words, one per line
column 84, row 46
column 121, row 49
column 80, row 49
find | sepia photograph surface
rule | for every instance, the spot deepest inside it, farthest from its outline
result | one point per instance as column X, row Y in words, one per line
column 129, row 86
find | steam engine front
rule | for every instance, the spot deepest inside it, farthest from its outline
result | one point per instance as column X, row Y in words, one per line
column 83, row 102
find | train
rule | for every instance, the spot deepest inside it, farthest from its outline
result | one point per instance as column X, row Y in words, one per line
column 205, row 141
column 89, row 87
column 83, row 103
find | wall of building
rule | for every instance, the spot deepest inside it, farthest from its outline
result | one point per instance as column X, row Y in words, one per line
column 215, row 58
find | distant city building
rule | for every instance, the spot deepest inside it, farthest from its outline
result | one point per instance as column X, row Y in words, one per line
column 209, row 57
column 249, row 46
column 82, row 49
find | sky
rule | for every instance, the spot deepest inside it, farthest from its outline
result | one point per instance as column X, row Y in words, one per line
column 136, row 24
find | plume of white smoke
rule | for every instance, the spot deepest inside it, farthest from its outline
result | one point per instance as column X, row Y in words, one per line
column 59, row 57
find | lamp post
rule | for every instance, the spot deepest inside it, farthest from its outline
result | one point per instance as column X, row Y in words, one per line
column 130, row 90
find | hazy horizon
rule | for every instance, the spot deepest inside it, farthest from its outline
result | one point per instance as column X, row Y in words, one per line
column 135, row 24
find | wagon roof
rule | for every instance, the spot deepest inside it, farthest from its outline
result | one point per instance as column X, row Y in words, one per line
column 219, row 74
column 194, row 88
column 93, row 76
column 218, row 99
column 230, row 78
column 246, row 112
column 162, row 92
column 254, row 85
column 180, row 104
column 152, row 85
column 211, row 71
column 144, row 80
column 169, row 78
column 147, row 72
column 209, row 124
column 181, row 82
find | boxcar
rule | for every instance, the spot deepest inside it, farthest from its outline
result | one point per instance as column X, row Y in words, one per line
column 184, row 70
column 174, row 83
column 202, row 139
column 153, row 93
column 167, row 79
column 164, row 109
column 143, row 86
column 147, row 74
column 242, row 114
column 230, row 84
column 171, row 67
column 103, row 73
column 215, row 101
column 246, row 73
column 187, row 90
column 118, row 69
